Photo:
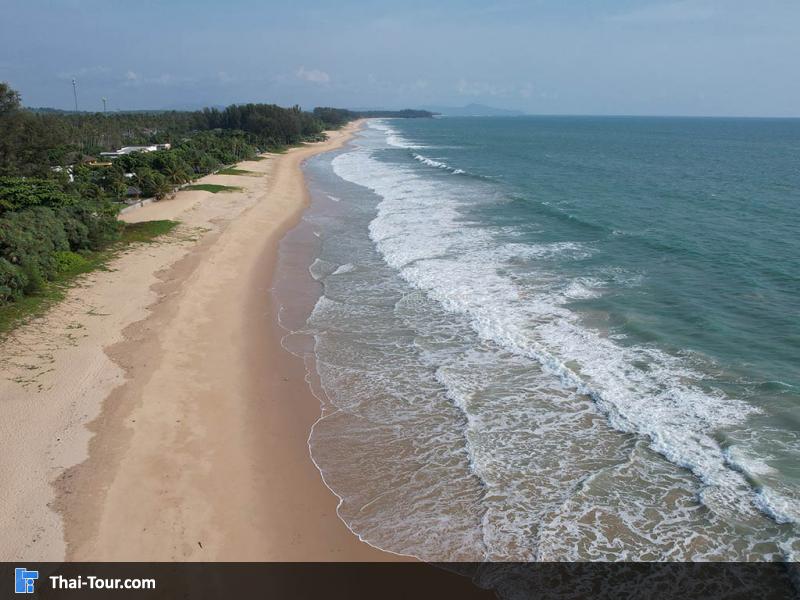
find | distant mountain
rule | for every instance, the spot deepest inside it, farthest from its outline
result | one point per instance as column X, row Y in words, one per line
column 473, row 110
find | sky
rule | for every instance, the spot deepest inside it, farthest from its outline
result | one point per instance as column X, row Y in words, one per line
column 623, row 57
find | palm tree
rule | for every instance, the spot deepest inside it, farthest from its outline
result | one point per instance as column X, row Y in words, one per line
column 162, row 188
column 175, row 173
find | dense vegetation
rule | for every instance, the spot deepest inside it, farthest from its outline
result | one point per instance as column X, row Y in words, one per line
column 70, row 265
column 157, row 173
column 267, row 125
column 43, row 230
column 336, row 117
column 58, row 203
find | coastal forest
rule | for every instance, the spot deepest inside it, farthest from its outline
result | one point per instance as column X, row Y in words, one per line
column 59, row 199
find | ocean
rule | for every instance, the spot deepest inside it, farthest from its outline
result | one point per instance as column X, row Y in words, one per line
column 557, row 338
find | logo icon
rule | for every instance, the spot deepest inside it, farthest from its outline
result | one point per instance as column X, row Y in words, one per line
column 24, row 580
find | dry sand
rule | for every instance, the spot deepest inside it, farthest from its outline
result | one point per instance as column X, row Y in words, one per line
column 152, row 415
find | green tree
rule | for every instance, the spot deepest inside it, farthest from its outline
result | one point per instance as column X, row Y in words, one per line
column 9, row 99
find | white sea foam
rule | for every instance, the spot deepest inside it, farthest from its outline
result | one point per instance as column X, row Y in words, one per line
column 437, row 164
column 346, row 268
column 320, row 269
column 393, row 137
column 333, row 198
column 430, row 162
column 783, row 510
column 420, row 232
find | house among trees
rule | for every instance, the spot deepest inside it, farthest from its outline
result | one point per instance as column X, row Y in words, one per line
column 125, row 150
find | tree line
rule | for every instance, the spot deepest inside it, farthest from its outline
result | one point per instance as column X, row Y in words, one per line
column 336, row 117
column 57, row 201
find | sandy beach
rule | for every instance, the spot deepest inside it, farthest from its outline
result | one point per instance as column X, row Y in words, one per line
column 152, row 415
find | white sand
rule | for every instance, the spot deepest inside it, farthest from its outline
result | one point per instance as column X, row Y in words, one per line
column 152, row 414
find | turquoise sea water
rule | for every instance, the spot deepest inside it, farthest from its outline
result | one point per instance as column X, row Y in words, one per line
column 562, row 338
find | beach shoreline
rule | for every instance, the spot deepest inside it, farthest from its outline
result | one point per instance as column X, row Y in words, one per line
column 161, row 419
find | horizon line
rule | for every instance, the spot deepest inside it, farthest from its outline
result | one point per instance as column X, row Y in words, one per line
column 523, row 113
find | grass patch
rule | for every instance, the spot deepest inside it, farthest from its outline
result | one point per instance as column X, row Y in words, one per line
column 213, row 188
column 233, row 171
column 70, row 266
column 257, row 158
column 146, row 231
column 284, row 149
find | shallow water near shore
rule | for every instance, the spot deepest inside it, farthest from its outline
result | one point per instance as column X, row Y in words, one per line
column 556, row 338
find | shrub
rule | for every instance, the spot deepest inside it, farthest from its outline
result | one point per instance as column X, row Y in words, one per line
column 90, row 224
column 38, row 243
column 30, row 238
column 34, row 279
column 17, row 193
column 70, row 262
column 12, row 281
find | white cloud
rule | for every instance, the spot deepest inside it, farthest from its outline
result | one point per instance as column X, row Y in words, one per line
column 526, row 90
column 134, row 79
column 225, row 77
column 95, row 72
column 164, row 79
column 673, row 12
column 484, row 89
column 313, row 75
column 478, row 88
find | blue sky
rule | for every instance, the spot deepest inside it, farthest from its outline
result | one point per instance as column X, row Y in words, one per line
column 684, row 57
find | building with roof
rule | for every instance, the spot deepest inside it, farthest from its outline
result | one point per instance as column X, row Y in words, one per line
column 131, row 149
